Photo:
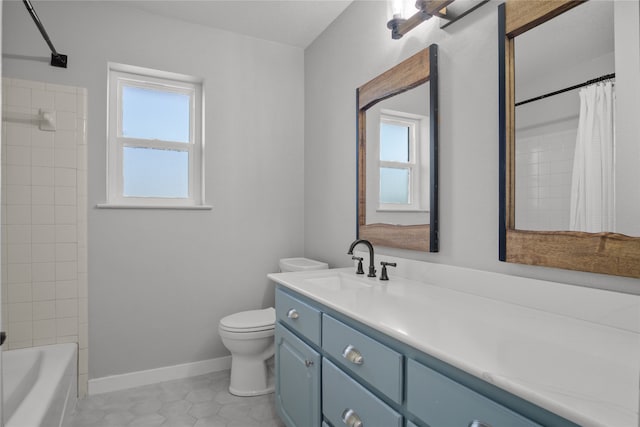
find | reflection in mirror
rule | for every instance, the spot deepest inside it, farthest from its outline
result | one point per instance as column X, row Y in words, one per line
column 565, row 176
column 398, row 159
column 397, row 202
column 569, row 131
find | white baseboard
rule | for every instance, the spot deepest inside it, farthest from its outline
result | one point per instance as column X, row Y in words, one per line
column 153, row 376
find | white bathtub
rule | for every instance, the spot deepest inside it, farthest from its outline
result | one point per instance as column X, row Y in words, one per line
column 39, row 385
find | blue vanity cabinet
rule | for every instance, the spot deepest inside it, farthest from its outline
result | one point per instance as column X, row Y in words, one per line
column 334, row 371
column 297, row 380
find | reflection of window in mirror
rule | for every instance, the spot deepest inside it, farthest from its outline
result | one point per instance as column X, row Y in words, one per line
column 397, row 178
column 411, row 87
column 402, row 168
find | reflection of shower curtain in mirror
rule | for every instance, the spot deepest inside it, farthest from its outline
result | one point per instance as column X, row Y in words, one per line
column 593, row 182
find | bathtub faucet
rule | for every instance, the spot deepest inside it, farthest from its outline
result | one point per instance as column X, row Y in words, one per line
column 372, row 269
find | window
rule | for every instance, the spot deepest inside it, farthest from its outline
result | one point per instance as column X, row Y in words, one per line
column 155, row 138
column 402, row 163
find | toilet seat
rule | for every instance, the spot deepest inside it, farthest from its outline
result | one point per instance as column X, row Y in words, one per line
column 249, row 321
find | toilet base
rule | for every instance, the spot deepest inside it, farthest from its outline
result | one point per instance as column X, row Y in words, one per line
column 244, row 393
column 250, row 377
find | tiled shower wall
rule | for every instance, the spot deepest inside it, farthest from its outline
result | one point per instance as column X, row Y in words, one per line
column 44, row 218
column 544, row 168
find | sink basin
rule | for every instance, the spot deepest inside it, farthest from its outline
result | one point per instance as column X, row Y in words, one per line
column 338, row 281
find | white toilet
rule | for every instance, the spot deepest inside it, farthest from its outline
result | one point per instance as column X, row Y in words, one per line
column 248, row 335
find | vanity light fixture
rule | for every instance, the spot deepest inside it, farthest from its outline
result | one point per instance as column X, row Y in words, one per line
column 443, row 9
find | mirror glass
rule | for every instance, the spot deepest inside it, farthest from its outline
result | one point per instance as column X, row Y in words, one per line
column 571, row 157
column 397, row 122
column 398, row 159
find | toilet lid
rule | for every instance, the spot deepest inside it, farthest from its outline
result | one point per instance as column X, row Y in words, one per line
column 250, row 320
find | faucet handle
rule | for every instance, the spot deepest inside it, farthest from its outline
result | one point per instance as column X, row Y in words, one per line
column 360, row 269
column 384, row 264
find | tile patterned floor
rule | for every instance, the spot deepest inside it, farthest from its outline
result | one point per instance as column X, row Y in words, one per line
column 202, row 401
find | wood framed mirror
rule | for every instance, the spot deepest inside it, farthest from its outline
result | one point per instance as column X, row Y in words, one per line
column 612, row 246
column 397, row 140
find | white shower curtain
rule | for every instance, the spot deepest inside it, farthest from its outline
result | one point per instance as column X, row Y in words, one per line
column 593, row 181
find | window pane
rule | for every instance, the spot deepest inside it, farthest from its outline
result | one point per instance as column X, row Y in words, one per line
column 155, row 114
column 394, row 185
column 148, row 172
column 394, row 142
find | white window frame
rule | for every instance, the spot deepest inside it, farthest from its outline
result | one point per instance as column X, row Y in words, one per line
column 120, row 75
column 418, row 171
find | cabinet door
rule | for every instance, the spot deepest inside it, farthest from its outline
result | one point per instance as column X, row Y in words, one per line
column 297, row 380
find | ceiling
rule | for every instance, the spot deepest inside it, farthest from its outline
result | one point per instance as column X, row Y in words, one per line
column 292, row 22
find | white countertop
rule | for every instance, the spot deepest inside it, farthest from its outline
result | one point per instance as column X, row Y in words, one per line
column 585, row 371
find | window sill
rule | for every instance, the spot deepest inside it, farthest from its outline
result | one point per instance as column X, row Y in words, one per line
column 166, row 207
column 403, row 210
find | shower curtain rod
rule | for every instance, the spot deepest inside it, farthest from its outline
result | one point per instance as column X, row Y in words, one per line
column 57, row 59
column 557, row 92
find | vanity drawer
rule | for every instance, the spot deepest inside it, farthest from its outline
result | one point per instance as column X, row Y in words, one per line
column 440, row 401
column 372, row 361
column 344, row 401
column 298, row 315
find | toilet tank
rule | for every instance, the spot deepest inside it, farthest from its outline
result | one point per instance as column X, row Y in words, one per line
column 301, row 264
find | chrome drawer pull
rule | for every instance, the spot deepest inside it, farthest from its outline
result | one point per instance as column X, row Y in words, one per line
column 351, row 419
column 476, row 423
column 293, row 314
column 353, row 355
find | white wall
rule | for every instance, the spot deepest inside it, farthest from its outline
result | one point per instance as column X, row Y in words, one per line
column 1, row 214
column 160, row 280
column 627, row 126
column 356, row 48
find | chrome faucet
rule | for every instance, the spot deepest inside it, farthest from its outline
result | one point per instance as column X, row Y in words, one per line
column 372, row 269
